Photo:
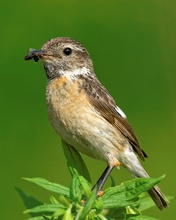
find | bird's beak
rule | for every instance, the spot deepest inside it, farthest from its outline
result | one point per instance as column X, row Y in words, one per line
column 35, row 54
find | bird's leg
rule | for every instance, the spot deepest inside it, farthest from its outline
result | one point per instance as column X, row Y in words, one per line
column 101, row 181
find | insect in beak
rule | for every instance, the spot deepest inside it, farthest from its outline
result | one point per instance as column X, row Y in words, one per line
column 34, row 54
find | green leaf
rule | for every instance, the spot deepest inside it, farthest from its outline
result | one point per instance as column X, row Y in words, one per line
column 63, row 201
column 122, row 195
column 87, row 207
column 75, row 191
column 44, row 208
column 59, row 212
column 68, row 214
column 139, row 217
column 36, row 218
column 53, row 187
column 131, row 210
column 112, row 181
column 46, row 217
column 29, row 201
column 101, row 217
column 53, row 200
column 75, row 162
column 116, row 213
column 86, row 186
column 145, row 203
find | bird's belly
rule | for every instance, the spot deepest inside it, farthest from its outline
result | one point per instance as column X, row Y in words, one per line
column 77, row 122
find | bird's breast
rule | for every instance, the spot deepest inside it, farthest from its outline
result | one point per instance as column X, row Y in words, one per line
column 70, row 112
column 65, row 102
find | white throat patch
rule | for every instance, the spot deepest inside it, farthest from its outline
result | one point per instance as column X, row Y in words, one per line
column 72, row 75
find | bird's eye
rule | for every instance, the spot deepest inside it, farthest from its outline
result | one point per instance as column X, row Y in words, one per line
column 67, row 51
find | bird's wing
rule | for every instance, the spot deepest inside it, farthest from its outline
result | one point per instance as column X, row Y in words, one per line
column 99, row 97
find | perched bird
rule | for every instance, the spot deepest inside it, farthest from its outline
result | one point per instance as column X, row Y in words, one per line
column 85, row 115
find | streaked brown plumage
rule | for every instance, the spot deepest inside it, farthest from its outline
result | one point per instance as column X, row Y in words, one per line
column 84, row 114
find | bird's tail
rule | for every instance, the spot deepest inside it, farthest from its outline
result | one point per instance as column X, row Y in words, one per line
column 136, row 169
column 158, row 197
column 155, row 192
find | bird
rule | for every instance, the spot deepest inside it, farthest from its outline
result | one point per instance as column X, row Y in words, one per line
column 84, row 114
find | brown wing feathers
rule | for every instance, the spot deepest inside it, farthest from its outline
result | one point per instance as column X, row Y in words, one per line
column 106, row 106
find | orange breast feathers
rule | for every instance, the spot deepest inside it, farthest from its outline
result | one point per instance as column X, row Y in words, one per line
column 67, row 104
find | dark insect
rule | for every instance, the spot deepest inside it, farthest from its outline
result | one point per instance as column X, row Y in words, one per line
column 34, row 54
column 36, row 58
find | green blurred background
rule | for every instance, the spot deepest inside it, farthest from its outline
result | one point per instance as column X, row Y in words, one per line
column 133, row 47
